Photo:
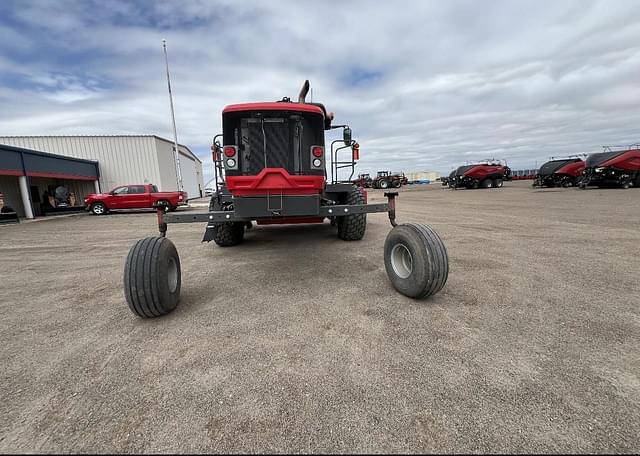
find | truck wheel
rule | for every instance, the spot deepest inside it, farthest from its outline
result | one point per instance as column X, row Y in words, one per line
column 487, row 183
column 352, row 227
column 497, row 183
column 383, row 184
column 229, row 234
column 98, row 209
column 396, row 184
column 152, row 277
column 416, row 260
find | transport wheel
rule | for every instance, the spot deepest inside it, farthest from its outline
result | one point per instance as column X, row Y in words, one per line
column 497, row 183
column 352, row 227
column 152, row 277
column 98, row 209
column 487, row 183
column 416, row 260
column 383, row 184
column 396, row 184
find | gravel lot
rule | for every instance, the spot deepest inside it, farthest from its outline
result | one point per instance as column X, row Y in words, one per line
column 295, row 341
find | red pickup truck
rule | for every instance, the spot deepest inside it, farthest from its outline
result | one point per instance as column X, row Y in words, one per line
column 133, row 197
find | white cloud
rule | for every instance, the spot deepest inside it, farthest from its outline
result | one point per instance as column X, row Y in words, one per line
column 456, row 80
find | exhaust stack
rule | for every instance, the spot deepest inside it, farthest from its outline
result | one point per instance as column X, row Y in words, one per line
column 303, row 91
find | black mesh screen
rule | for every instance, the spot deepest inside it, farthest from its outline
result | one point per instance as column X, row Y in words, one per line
column 278, row 146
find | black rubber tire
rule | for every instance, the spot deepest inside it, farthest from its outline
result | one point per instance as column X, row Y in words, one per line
column 352, row 227
column 383, row 184
column 97, row 205
column 487, row 183
column 229, row 234
column 429, row 260
column 396, row 184
column 497, row 183
column 152, row 277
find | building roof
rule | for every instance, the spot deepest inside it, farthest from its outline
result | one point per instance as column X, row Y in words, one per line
column 194, row 156
column 18, row 161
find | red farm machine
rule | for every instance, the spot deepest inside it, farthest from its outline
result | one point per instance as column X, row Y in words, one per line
column 386, row 179
column 484, row 174
column 560, row 172
column 363, row 180
column 616, row 166
column 271, row 168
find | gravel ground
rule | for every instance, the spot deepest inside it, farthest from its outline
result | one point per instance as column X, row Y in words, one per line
column 295, row 341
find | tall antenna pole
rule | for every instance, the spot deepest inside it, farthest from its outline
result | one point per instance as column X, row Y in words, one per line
column 173, row 120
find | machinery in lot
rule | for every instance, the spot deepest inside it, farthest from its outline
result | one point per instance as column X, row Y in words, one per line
column 271, row 169
column 560, row 172
column 363, row 180
column 386, row 179
column 485, row 174
column 139, row 196
column 449, row 181
column 617, row 166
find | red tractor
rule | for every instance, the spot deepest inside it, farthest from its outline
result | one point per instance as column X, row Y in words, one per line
column 617, row 166
column 485, row 174
column 271, row 169
column 386, row 179
column 563, row 172
column 363, row 180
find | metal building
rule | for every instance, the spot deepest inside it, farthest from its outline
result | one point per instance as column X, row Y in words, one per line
column 124, row 159
column 414, row 176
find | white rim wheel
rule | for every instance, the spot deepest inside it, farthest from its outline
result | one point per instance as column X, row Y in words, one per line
column 401, row 261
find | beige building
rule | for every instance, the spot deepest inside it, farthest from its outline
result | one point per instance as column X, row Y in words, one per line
column 124, row 159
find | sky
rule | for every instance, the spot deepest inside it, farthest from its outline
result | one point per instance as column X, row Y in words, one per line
column 424, row 85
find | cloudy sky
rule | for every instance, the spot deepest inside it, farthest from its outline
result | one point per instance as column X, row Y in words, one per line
column 425, row 85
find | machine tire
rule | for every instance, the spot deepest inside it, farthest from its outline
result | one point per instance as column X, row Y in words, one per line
column 487, row 183
column 98, row 209
column 416, row 260
column 229, row 234
column 152, row 277
column 396, row 184
column 352, row 227
column 497, row 183
column 383, row 184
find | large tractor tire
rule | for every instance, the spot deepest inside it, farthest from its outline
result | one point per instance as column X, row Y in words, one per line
column 487, row 183
column 396, row 184
column 498, row 183
column 352, row 227
column 152, row 277
column 383, row 184
column 416, row 260
column 229, row 234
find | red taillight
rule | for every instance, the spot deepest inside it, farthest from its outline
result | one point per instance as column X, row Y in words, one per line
column 229, row 151
column 317, row 151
